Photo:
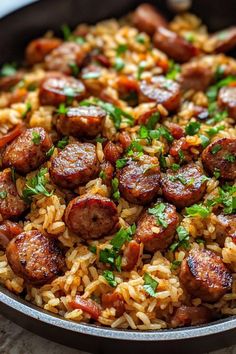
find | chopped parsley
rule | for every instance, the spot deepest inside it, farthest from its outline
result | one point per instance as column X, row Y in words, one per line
column 74, row 69
column 190, row 37
column 175, row 265
column 152, row 121
column 110, row 278
column 192, row 128
column 217, row 117
column 92, row 249
column 119, row 64
column 36, row 185
column 230, row 158
column 102, row 175
column 216, row 148
column 115, row 189
column 212, row 92
column 69, row 36
column 140, row 38
column 179, row 177
column 36, row 138
column 144, row 133
column 158, row 212
column 141, row 67
column 150, row 285
column 3, row 194
column 181, row 156
column 27, row 110
column 175, row 166
column 121, row 163
column 62, row 109
column 198, row 210
column 91, row 75
column 216, row 173
column 8, row 70
column 63, row 142
column 50, row 152
column 174, row 70
column 163, row 162
column 214, row 130
column 204, row 140
column 183, row 239
column 226, row 198
column 121, row 49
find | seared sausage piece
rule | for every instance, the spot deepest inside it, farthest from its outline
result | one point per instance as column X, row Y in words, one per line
column 8, row 230
column 64, row 57
column 112, row 152
column 115, row 300
column 35, row 258
column 139, row 180
column 74, row 165
column 227, row 100
column 175, row 130
column 147, row 19
column 81, row 121
column 225, row 227
column 7, row 82
column 184, row 187
column 204, row 275
column 195, row 76
column 11, row 205
column 223, row 41
column 27, row 151
column 58, row 88
column 131, row 256
column 87, row 305
column 175, row 46
column 37, row 49
column 153, row 234
column 162, row 91
column 221, row 156
column 191, row 316
column 91, row 216
column 106, row 173
column 11, row 135
column 184, row 151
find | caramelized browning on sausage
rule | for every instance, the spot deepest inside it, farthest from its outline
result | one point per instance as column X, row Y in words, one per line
column 204, row 275
column 74, row 165
column 131, row 255
column 37, row 49
column 28, row 151
column 35, row 258
column 114, row 300
column 11, row 205
column 191, row 316
column 225, row 227
column 184, row 187
column 222, row 41
column 221, row 156
column 227, row 100
column 8, row 230
column 81, row 121
column 195, row 76
column 155, row 234
column 112, row 152
column 183, row 150
column 7, row 82
column 91, row 216
column 139, row 180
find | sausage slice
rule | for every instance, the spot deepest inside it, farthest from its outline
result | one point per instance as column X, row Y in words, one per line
column 156, row 235
column 35, row 258
column 147, row 19
column 37, row 49
column 191, row 316
column 175, row 46
column 227, row 100
column 204, row 275
column 223, row 41
column 162, row 91
column 225, row 227
column 139, row 180
column 114, row 300
column 91, row 216
column 81, row 121
column 64, row 57
column 27, row 151
column 195, row 76
column 221, row 156
column 184, row 187
column 8, row 230
column 56, row 89
column 74, row 165
column 11, row 205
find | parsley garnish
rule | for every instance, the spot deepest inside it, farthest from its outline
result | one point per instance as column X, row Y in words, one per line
column 214, row 130
column 181, row 156
column 204, row 140
column 230, row 158
column 91, row 75
column 226, row 198
column 174, row 70
column 92, row 249
column 216, row 173
column 212, row 92
column 50, row 152
column 122, row 48
column 192, row 128
column 158, row 212
column 69, row 36
column 119, row 64
column 8, row 70
column 150, row 285
column 74, row 69
column 175, row 265
column 140, row 38
column 198, row 210
column 36, row 138
column 152, row 121
column 110, row 278
column 183, row 239
column 63, row 142
column 175, row 166
column 216, row 148
column 27, row 110
column 3, row 194
column 36, row 185
column 121, row 163
column 102, row 175
column 62, row 109
column 163, row 162
column 115, row 189
column 141, row 67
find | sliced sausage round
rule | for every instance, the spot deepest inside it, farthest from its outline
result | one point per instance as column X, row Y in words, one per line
column 35, row 258
column 11, row 205
column 112, row 152
column 195, row 76
column 204, row 275
column 91, row 216
column 114, row 300
column 175, row 46
column 64, row 57
column 8, row 230
column 81, row 121
column 225, row 227
column 37, row 49
column 139, row 180
column 221, row 156
column 7, row 82
column 191, row 316
column 147, row 19
column 157, row 233
column 225, row 40
column 74, row 165
column 183, row 150
column 227, row 100
column 56, row 89
column 131, row 255
column 28, row 151
column 175, row 130
column 162, row 91
column 184, row 187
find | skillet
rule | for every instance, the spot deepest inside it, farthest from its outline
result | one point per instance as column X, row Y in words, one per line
column 16, row 30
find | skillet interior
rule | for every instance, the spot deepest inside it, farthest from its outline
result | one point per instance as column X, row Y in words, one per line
column 16, row 30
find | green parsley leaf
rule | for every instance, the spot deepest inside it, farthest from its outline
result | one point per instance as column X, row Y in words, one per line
column 3, row 194
column 219, row 73
column 141, row 67
column 36, row 138
column 110, row 278
column 181, row 156
column 121, row 163
column 214, row 130
column 175, row 166
column 119, row 64
column 157, row 211
column 36, row 185
column 216, row 173
column 27, row 110
column 216, row 148
column 183, row 239
column 8, row 70
column 212, row 92
column 198, row 210
column 63, row 142
column 199, row 240
column 140, row 38
column 192, row 128
column 115, row 189
column 152, row 121
column 66, row 31
column 79, row 40
column 163, row 162
column 217, row 117
column 175, row 265
column 102, row 175
column 143, row 132
column 204, row 140
column 121, row 237
column 50, row 152
column 122, row 48
column 190, row 37
column 174, row 70
column 91, row 75
column 150, row 285
column 62, row 109
column 100, row 139
column 92, row 249
column 107, row 255
column 74, row 69
column 230, row 158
